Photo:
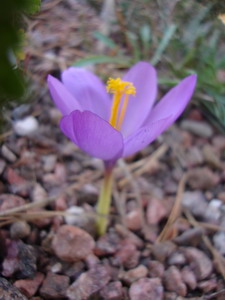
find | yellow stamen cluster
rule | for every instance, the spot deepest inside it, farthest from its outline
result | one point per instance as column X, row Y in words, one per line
column 119, row 88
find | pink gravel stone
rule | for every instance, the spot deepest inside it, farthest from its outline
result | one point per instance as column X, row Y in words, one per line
column 199, row 262
column 112, row 291
column 72, row 243
column 174, row 282
column 146, row 289
column 29, row 286
column 156, row 211
column 88, row 283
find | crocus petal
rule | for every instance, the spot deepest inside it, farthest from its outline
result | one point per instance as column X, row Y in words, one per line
column 62, row 98
column 88, row 89
column 93, row 135
column 144, row 77
column 174, row 102
column 144, row 136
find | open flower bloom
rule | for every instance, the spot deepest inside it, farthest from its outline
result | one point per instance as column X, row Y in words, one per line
column 112, row 127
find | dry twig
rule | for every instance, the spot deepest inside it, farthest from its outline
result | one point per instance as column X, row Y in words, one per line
column 175, row 212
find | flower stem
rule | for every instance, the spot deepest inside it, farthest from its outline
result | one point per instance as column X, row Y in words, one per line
column 104, row 201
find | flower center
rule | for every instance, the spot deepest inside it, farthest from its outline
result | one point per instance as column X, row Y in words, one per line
column 121, row 90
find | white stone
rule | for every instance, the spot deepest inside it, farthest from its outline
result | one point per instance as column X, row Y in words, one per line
column 26, row 126
column 213, row 212
column 75, row 215
column 219, row 242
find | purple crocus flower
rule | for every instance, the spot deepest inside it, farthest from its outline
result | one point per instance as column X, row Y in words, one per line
column 86, row 106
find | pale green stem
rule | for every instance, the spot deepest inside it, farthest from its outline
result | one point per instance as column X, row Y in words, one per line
column 104, row 201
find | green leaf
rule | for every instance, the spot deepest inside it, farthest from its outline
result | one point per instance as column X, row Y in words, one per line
column 105, row 39
column 133, row 39
column 164, row 43
column 145, row 35
column 93, row 60
column 32, row 6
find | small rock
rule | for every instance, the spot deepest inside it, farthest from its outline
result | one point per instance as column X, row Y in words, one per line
column 18, row 184
column 10, row 263
column 211, row 157
column 29, row 286
column 189, row 277
column 72, row 243
column 26, row 126
column 21, row 111
column 174, row 282
column 56, row 268
column 124, row 233
column 39, row 222
column 58, row 177
column 19, row 230
column 156, row 211
column 170, row 186
column 79, row 217
column 2, row 166
column 20, row 258
column 91, row 261
column 200, row 264
column 8, row 154
column 88, row 283
column 134, row 274
column 27, row 260
column 156, row 269
column 38, row 193
column 8, row 201
column 73, row 270
column 133, row 219
column 9, row 292
column 127, row 256
column 170, row 296
column 146, row 289
column 194, row 157
column 213, row 212
column 107, row 244
column 208, row 285
column 198, row 128
column 163, row 250
column 54, row 286
column 221, row 196
column 219, row 241
column 177, row 258
column 75, row 216
column 196, row 115
column 202, row 178
column 219, row 142
column 195, row 202
column 49, row 162
column 190, row 237
column 112, row 291
column 61, row 203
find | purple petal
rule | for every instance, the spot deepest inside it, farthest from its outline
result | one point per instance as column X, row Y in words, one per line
column 144, row 136
column 89, row 90
column 93, row 135
column 66, row 125
column 62, row 98
column 174, row 102
column 144, row 77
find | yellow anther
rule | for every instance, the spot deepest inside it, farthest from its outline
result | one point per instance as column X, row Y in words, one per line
column 119, row 88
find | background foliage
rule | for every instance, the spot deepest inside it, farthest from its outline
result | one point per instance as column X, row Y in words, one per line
column 12, row 83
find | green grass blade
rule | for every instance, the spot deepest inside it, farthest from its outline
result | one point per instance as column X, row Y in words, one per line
column 105, row 39
column 93, row 60
column 164, row 43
